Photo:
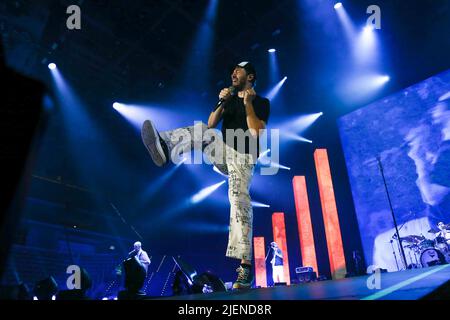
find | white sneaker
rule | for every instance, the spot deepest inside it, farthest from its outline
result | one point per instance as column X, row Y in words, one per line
column 155, row 145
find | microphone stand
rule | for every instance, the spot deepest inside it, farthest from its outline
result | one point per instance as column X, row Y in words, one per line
column 400, row 246
column 268, row 252
column 392, row 212
column 395, row 255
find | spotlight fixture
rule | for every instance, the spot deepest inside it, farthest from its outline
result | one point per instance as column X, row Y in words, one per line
column 45, row 289
column 272, row 50
column 51, row 66
column 368, row 28
column 384, row 79
column 338, row 5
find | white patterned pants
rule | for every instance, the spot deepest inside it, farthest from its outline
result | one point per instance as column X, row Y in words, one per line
column 277, row 274
column 239, row 168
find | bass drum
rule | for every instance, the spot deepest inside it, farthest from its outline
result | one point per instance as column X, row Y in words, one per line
column 431, row 257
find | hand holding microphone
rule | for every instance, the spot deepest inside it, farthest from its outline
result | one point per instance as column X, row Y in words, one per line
column 224, row 95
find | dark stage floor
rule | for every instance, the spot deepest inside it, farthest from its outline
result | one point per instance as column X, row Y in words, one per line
column 405, row 285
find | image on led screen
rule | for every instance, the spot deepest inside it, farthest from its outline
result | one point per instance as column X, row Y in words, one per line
column 410, row 134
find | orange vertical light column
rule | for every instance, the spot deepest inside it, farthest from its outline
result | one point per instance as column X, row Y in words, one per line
column 330, row 215
column 305, row 230
column 260, row 262
column 279, row 236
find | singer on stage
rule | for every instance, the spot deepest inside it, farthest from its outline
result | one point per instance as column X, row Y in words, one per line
column 243, row 114
column 277, row 263
column 140, row 255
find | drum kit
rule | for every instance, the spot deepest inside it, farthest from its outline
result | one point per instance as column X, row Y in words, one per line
column 423, row 252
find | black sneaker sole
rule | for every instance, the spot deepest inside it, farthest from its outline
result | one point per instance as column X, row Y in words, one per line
column 150, row 138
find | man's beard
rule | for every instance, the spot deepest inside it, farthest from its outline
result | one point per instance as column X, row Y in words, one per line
column 239, row 86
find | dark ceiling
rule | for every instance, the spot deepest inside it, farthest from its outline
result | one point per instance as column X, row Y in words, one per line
column 134, row 49
column 140, row 40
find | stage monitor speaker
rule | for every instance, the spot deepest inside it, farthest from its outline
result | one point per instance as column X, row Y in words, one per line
column 134, row 275
column 80, row 293
column 303, row 269
column 45, row 289
column 187, row 281
column 305, row 274
column 280, row 284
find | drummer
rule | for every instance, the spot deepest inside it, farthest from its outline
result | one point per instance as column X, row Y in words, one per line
column 443, row 233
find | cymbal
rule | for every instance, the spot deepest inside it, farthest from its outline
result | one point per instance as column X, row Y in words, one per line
column 412, row 238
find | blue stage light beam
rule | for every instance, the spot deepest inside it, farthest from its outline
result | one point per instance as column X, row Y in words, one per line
column 265, row 161
column 159, row 183
column 211, row 11
column 257, row 204
column 274, row 72
column 205, row 192
column 263, row 154
column 319, row 17
column 186, row 203
column 382, row 79
column 73, row 109
column 204, row 227
column 365, row 50
column 199, row 60
column 274, row 76
column 201, row 174
column 291, row 130
column 80, row 132
column 298, row 124
column 362, row 87
column 346, row 23
column 277, row 165
column 294, row 137
column 164, row 117
column 274, row 91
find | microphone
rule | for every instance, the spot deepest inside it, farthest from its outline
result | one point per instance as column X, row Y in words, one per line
column 222, row 100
